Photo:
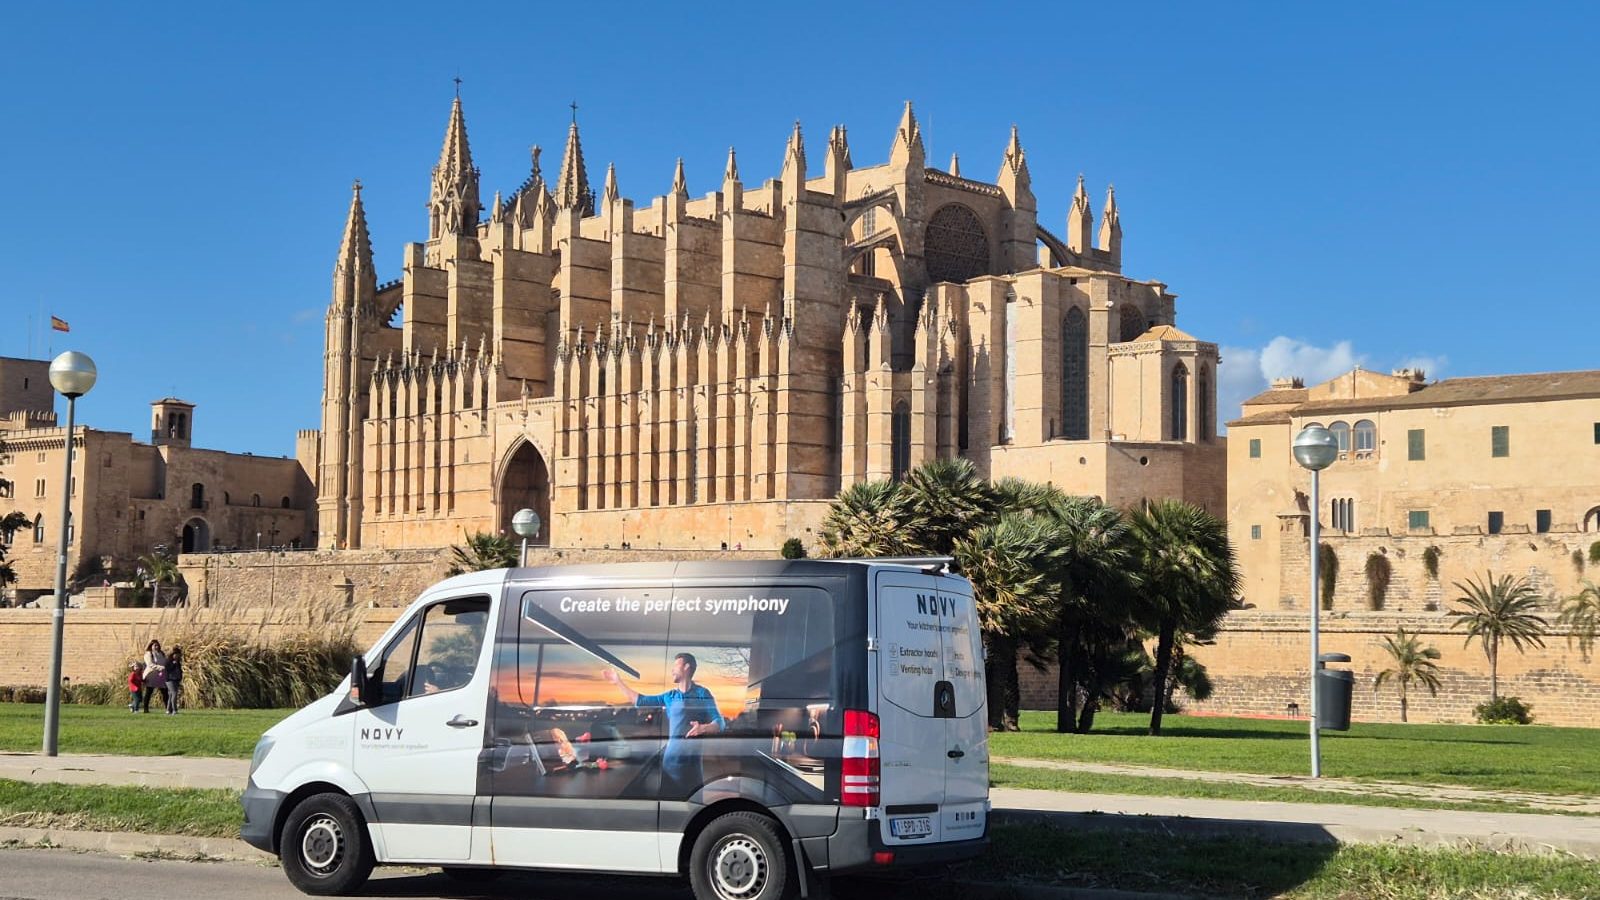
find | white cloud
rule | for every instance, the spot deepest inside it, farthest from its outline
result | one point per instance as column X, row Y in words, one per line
column 1247, row 371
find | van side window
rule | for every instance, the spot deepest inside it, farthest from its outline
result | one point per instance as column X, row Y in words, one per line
column 446, row 655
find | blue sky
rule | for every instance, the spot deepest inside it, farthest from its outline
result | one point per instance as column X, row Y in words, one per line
column 1382, row 184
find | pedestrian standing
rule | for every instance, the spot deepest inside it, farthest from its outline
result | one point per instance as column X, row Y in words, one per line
column 155, row 665
column 174, row 678
column 135, row 685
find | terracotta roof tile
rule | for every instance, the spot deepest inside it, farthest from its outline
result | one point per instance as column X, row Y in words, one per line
column 1485, row 389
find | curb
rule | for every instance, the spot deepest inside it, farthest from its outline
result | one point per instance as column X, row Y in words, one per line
column 124, row 843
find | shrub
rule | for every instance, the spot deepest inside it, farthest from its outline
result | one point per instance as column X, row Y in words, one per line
column 27, row 694
column 100, row 693
column 1577, row 561
column 1430, row 562
column 1594, row 552
column 1504, row 711
column 794, row 549
column 5, row 694
column 1379, row 571
column 1328, row 573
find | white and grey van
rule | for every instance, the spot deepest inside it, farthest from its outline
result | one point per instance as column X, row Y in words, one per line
column 755, row 726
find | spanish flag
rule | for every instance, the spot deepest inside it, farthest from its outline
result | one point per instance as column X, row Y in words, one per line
column 59, row 324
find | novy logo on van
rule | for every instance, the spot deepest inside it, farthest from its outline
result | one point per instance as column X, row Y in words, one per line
column 381, row 734
column 935, row 605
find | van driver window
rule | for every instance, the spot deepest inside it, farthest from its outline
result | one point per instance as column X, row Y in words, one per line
column 452, row 636
column 394, row 668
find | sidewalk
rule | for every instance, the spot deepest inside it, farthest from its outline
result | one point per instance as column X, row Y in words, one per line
column 1308, row 822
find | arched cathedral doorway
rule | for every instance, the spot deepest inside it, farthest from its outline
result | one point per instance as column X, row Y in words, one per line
column 196, row 536
column 525, row 484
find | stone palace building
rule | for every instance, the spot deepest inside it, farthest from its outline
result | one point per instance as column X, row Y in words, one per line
column 707, row 372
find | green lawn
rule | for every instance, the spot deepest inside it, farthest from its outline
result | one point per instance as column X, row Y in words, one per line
column 114, row 730
column 1001, row 775
column 204, row 813
column 1531, row 758
column 1241, row 867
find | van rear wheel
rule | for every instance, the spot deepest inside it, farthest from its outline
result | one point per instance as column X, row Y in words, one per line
column 740, row 856
column 324, row 847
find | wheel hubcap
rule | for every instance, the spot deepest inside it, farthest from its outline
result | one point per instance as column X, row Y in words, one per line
column 322, row 844
column 738, row 868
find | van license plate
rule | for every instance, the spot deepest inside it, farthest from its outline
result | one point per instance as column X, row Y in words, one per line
column 921, row 826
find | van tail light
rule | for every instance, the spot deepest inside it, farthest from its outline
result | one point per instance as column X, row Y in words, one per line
column 861, row 768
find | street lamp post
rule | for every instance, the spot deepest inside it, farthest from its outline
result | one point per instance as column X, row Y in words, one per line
column 1315, row 449
column 526, row 524
column 72, row 374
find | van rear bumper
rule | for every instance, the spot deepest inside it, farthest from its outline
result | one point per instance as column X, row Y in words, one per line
column 854, row 843
column 260, row 812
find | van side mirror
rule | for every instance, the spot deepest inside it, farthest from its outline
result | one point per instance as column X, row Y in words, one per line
column 359, row 683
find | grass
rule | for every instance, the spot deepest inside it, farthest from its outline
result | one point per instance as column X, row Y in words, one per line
column 1531, row 758
column 1240, row 867
column 202, row 813
column 115, row 731
column 1001, row 775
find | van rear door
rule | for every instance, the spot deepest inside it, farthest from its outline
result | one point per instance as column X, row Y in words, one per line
column 912, row 702
column 966, row 759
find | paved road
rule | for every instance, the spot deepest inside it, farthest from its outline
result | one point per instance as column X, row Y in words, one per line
column 67, row 875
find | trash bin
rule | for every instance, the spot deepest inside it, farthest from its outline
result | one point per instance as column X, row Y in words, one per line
column 1334, row 690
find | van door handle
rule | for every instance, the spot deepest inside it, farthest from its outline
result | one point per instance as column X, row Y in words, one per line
column 955, row 754
column 459, row 722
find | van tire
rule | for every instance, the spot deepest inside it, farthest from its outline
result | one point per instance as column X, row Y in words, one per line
column 741, row 856
column 324, row 847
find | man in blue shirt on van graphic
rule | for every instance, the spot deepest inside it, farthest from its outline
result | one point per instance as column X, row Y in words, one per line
column 691, row 713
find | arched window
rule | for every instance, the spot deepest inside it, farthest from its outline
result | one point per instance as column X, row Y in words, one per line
column 285, row 503
column 955, row 245
column 1341, row 434
column 70, row 534
column 255, row 499
column 1132, row 323
column 38, row 528
column 1075, row 375
column 1180, row 403
column 227, row 498
column 197, row 496
column 1366, row 436
column 1203, row 393
column 900, row 440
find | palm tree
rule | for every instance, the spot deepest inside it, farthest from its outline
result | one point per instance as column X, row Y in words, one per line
column 1499, row 609
column 1010, row 564
column 159, row 569
column 1581, row 613
column 1189, row 580
column 870, row 518
column 14, row 521
column 1412, row 663
column 947, row 501
column 482, row 551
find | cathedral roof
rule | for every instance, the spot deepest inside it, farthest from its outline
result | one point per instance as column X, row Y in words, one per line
column 1165, row 333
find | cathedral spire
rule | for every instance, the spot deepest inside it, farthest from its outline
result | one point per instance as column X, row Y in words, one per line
column 1111, row 226
column 907, row 146
column 838, row 162
column 355, row 249
column 453, row 203
column 955, row 165
column 680, row 185
column 1080, row 221
column 572, row 185
column 730, row 172
column 610, row 191
column 1014, row 180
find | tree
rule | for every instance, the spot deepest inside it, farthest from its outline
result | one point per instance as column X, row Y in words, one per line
column 13, row 522
column 159, row 569
column 482, row 551
column 947, row 501
column 1581, row 613
column 1499, row 609
column 1189, row 580
column 1010, row 564
column 869, row 518
column 1413, row 663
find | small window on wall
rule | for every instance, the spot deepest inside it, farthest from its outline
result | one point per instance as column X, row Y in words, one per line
column 1255, row 448
column 1255, row 532
column 1597, row 432
column 1416, row 445
column 1341, row 434
column 1366, row 436
column 1497, row 521
column 38, row 529
column 1500, row 441
column 1541, row 520
column 1417, row 518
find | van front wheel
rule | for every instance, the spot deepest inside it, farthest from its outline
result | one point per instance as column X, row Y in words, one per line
column 324, row 847
column 740, row 856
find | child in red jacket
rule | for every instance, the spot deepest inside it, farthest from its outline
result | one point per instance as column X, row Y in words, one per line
column 135, row 686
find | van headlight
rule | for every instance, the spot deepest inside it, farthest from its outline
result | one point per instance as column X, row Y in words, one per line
column 263, row 747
